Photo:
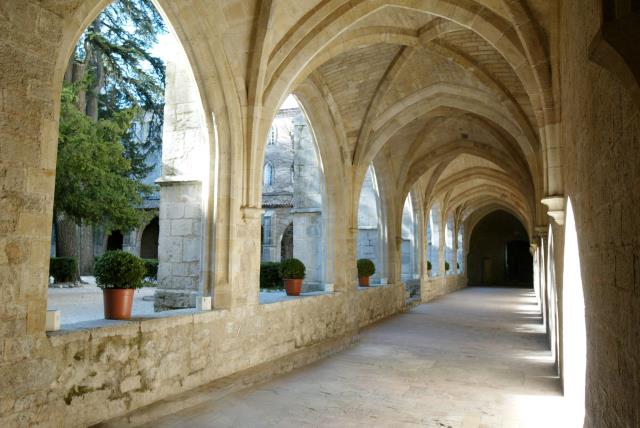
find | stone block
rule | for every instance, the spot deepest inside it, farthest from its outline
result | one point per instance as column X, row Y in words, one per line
column 181, row 227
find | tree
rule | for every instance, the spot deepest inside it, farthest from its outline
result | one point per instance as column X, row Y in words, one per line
column 112, row 80
column 114, row 57
column 93, row 179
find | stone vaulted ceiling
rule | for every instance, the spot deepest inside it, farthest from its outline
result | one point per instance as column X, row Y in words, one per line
column 437, row 107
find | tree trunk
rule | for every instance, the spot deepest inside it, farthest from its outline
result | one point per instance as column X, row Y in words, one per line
column 93, row 92
column 67, row 242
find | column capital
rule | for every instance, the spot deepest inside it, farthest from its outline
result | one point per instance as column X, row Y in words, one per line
column 556, row 210
column 542, row 231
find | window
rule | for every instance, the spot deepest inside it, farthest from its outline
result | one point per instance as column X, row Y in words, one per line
column 266, row 230
column 273, row 136
column 268, row 174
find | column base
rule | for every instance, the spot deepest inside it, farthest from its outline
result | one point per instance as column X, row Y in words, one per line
column 166, row 300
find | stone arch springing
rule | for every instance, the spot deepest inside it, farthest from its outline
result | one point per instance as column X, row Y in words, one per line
column 371, row 240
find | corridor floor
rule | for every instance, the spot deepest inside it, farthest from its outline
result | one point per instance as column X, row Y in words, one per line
column 474, row 358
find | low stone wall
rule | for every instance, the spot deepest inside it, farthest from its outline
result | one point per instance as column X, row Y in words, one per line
column 83, row 377
column 439, row 286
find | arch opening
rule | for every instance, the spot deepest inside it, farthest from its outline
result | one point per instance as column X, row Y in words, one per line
column 371, row 230
column 146, row 161
column 293, row 195
column 499, row 252
column 574, row 336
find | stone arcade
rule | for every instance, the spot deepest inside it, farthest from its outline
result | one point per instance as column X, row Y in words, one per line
column 464, row 108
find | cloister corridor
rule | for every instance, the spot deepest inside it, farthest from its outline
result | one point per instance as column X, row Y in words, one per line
column 478, row 357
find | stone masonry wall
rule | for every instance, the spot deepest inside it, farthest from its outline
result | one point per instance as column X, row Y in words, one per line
column 87, row 376
column 434, row 287
column 601, row 133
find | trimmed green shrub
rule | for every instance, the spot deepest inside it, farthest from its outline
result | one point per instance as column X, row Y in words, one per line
column 292, row 269
column 151, row 267
column 270, row 275
column 63, row 269
column 458, row 266
column 428, row 265
column 119, row 269
column 366, row 268
column 446, row 266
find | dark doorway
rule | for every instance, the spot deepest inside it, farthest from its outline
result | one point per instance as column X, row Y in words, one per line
column 519, row 262
column 149, row 240
column 115, row 241
column 286, row 245
column 499, row 252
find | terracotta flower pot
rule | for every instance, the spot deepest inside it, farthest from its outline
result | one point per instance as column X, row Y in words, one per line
column 364, row 281
column 293, row 286
column 117, row 303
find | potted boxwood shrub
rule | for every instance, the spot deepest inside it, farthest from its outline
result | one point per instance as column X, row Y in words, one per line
column 428, row 266
column 446, row 266
column 118, row 274
column 292, row 272
column 366, row 268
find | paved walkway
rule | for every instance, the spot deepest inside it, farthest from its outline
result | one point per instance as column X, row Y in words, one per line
column 475, row 358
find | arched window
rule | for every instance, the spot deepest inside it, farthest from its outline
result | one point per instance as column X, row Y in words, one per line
column 273, row 136
column 433, row 233
column 268, row 174
column 448, row 250
column 460, row 250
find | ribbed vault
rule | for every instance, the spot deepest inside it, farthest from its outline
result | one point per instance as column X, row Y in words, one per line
column 449, row 100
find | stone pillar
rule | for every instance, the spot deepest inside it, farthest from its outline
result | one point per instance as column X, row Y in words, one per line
column 179, row 245
column 185, row 164
column 307, row 246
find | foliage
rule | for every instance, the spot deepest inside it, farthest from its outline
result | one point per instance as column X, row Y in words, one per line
column 270, row 276
column 366, row 267
column 446, row 266
column 119, row 269
column 63, row 269
column 428, row 265
column 151, row 268
column 116, row 50
column 458, row 266
column 292, row 269
column 93, row 181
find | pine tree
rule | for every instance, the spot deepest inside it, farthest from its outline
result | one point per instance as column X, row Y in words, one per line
column 112, row 80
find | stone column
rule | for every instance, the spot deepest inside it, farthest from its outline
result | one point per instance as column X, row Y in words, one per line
column 185, row 164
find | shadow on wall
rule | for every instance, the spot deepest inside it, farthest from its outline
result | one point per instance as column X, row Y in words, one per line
column 499, row 252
